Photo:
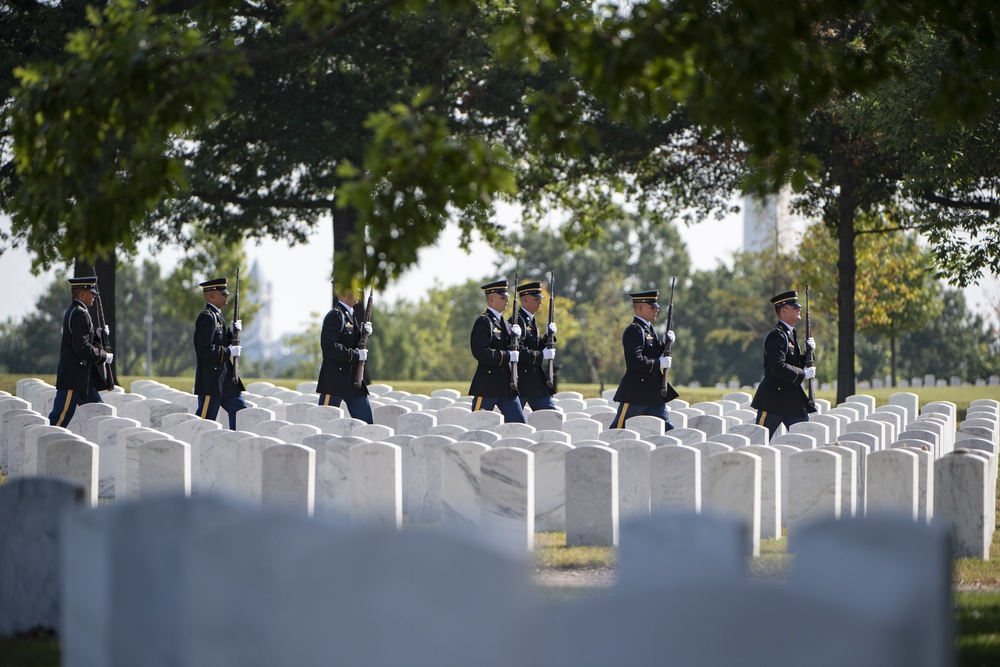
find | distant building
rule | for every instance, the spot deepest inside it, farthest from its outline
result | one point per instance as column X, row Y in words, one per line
column 258, row 338
column 769, row 225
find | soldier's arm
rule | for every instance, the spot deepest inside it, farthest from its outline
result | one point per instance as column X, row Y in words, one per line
column 479, row 343
column 204, row 340
column 329, row 339
column 82, row 337
column 633, row 342
column 776, row 351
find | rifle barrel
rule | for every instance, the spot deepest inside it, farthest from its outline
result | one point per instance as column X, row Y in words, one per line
column 666, row 336
column 359, row 376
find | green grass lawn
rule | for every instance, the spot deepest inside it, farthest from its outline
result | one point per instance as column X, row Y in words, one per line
column 977, row 598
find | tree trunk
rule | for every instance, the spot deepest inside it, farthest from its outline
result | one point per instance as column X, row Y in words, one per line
column 105, row 271
column 847, row 269
column 345, row 222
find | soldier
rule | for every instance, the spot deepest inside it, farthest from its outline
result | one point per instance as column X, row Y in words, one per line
column 339, row 339
column 215, row 380
column 779, row 398
column 532, row 384
column 490, row 342
column 639, row 392
column 79, row 352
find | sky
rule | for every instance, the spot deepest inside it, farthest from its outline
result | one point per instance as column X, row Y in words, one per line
column 288, row 268
column 443, row 264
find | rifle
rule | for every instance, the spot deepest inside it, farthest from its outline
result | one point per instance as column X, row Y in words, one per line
column 236, row 333
column 666, row 338
column 359, row 377
column 107, row 374
column 513, row 342
column 810, row 357
column 550, row 376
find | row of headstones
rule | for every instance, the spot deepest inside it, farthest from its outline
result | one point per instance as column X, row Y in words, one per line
column 510, row 485
column 171, row 581
column 629, row 500
column 411, row 414
column 633, row 487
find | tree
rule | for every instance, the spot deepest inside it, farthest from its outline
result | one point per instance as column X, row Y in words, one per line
column 957, row 343
column 628, row 252
column 32, row 345
column 773, row 87
column 729, row 315
column 896, row 290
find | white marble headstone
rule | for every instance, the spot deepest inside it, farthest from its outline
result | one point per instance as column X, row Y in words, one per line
column 460, row 484
column 288, row 478
column 675, row 478
column 734, row 489
column 376, row 481
column 592, row 496
column 507, row 498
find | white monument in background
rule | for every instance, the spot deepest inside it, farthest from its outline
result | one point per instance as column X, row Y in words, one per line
column 258, row 337
column 770, row 225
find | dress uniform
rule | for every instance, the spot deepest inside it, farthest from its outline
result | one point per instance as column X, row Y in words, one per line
column 532, row 382
column 79, row 353
column 639, row 392
column 490, row 342
column 215, row 381
column 339, row 339
column 779, row 398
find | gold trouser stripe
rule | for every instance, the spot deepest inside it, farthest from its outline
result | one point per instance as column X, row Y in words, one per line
column 326, row 401
column 69, row 402
column 477, row 404
column 204, row 408
column 621, row 419
column 763, row 416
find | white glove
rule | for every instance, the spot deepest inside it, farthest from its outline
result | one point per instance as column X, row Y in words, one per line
column 548, row 353
column 665, row 363
column 514, row 355
column 552, row 327
column 362, row 354
column 234, row 350
column 810, row 372
column 238, row 325
column 107, row 330
column 516, row 330
column 810, row 344
column 671, row 337
column 367, row 328
column 111, row 357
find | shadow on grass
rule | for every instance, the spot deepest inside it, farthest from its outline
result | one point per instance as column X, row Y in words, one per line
column 978, row 620
column 31, row 649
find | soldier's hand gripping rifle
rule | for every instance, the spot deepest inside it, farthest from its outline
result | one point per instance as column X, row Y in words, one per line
column 236, row 332
column 514, row 342
column 359, row 377
column 810, row 357
column 106, row 373
column 550, row 374
column 664, row 390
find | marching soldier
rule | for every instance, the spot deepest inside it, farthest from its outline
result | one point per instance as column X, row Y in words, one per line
column 490, row 342
column 779, row 398
column 639, row 390
column 79, row 352
column 339, row 339
column 215, row 380
column 532, row 385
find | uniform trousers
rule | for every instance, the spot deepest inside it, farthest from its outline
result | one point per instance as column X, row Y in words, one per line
column 771, row 421
column 628, row 410
column 357, row 406
column 208, row 407
column 66, row 401
column 510, row 407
